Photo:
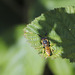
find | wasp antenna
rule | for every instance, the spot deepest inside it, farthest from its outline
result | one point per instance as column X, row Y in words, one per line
column 39, row 35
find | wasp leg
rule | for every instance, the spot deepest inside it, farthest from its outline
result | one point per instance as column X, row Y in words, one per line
column 52, row 51
column 43, row 50
column 52, row 44
column 40, row 47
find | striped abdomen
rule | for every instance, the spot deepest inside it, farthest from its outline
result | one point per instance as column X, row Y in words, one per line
column 47, row 49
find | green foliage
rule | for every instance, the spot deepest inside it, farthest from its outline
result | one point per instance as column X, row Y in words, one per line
column 59, row 27
column 20, row 58
column 61, row 66
column 25, row 58
column 51, row 4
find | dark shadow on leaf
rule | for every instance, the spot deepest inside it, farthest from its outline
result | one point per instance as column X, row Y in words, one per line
column 47, row 71
column 65, row 29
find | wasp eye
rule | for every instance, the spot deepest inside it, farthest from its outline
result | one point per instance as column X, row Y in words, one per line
column 45, row 41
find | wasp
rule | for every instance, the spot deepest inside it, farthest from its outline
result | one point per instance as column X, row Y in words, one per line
column 46, row 46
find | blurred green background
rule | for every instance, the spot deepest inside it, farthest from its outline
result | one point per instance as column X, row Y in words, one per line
column 17, row 57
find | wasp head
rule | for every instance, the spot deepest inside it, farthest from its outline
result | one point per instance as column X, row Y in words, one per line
column 44, row 41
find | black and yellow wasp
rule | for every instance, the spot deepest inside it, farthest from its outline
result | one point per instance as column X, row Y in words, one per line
column 46, row 46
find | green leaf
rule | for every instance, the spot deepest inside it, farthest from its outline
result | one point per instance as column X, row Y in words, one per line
column 22, row 59
column 61, row 66
column 51, row 4
column 58, row 26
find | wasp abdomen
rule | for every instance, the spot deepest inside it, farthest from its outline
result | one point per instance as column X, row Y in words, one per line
column 47, row 49
column 45, row 44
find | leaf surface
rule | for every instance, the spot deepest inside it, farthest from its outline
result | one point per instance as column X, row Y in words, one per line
column 58, row 26
column 51, row 4
column 61, row 66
